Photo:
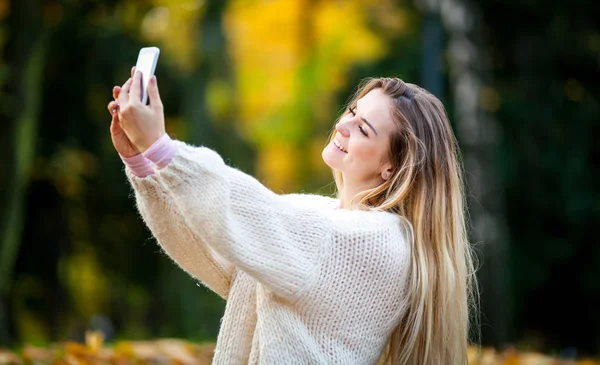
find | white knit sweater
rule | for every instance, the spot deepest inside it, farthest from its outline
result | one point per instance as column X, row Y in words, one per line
column 305, row 282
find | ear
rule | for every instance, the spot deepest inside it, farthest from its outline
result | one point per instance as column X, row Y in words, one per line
column 386, row 171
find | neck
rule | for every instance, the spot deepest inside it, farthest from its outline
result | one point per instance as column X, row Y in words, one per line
column 350, row 189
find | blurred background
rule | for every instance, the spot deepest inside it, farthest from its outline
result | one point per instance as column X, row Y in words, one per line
column 262, row 82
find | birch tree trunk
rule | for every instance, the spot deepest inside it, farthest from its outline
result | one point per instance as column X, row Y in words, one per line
column 478, row 135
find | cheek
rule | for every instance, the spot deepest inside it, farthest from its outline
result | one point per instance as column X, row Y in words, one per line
column 365, row 151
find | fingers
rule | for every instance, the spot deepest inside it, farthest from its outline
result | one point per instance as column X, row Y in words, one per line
column 127, row 86
column 136, row 88
column 114, row 124
column 153, row 95
column 116, row 90
column 123, row 97
column 121, row 93
column 113, row 107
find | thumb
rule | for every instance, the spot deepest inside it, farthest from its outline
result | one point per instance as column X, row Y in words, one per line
column 153, row 95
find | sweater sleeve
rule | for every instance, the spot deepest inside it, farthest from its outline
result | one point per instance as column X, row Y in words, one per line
column 176, row 238
column 138, row 164
column 262, row 233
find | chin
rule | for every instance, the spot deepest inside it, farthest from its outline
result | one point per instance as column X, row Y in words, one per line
column 331, row 157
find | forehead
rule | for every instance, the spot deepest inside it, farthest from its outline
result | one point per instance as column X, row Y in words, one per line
column 375, row 107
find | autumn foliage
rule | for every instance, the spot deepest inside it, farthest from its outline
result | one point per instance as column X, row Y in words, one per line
column 94, row 351
column 180, row 352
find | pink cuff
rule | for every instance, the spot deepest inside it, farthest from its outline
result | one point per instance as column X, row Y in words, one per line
column 161, row 152
column 138, row 165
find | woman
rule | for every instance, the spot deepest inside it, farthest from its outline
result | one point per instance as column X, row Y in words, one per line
column 382, row 274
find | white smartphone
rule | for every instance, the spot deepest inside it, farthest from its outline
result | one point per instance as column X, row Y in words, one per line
column 146, row 64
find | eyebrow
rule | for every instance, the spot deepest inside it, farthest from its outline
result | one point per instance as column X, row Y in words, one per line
column 366, row 121
column 369, row 124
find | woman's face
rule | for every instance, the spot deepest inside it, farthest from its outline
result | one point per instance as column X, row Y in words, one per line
column 360, row 147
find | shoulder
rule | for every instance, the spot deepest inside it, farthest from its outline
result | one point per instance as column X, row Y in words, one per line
column 373, row 235
column 314, row 201
column 347, row 222
column 366, row 221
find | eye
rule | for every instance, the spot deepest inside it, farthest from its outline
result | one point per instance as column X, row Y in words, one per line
column 352, row 111
column 362, row 130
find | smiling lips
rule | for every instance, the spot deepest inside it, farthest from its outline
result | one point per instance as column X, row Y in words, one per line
column 338, row 145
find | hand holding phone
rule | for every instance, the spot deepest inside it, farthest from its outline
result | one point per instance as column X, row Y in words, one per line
column 146, row 64
column 143, row 124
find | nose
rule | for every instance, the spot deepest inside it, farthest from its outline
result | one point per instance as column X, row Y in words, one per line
column 342, row 128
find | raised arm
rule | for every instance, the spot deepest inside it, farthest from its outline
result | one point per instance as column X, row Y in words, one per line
column 269, row 237
column 277, row 242
column 175, row 237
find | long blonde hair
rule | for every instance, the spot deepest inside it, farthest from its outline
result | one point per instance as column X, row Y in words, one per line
column 426, row 190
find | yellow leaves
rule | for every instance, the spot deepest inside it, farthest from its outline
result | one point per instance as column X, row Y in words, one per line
column 86, row 281
column 278, row 163
column 94, row 340
column 391, row 19
column 264, row 45
column 178, row 352
column 511, row 357
column 490, row 356
column 164, row 351
column 37, row 355
column 315, row 161
column 173, row 26
column 290, row 57
column 218, row 99
column 171, row 351
column 156, row 22
column 9, row 358
column 336, row 31
column 270, row 42
column 264, row 32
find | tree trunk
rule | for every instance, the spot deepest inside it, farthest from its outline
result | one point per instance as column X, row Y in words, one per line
column 25, row 58
column 432, row 77
column 478, row 136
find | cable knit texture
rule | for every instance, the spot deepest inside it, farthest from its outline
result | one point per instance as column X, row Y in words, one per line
column 305, row 283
